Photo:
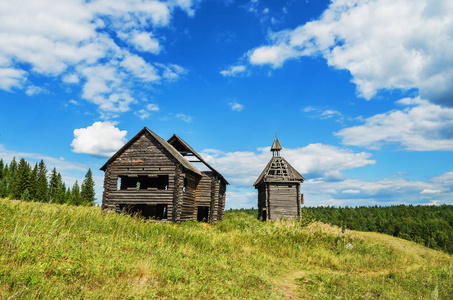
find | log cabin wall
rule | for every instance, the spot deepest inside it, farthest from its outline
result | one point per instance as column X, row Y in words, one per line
column 143, row 159
column 222, row 199
column 189, row 190
column 283, row 200
column 148, row 174
column 214, row 205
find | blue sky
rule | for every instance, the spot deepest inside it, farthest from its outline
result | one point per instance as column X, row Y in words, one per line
column 360, row 93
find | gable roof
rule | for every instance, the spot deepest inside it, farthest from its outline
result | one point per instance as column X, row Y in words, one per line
column 175, row 139
column 173, row 152
column 279, row 170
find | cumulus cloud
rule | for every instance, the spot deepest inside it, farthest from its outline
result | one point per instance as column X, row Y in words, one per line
column 233, row 71
column 419, row 126
column 387, row 191
column 242, row 168
column 75, row 41
column 11, row 78
column 236, row 106
column 102, row 139
column 384, row 44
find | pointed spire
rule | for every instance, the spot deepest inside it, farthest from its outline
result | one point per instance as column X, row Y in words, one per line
column 276, row 147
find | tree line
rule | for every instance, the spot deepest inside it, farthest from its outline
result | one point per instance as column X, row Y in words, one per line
column 19, row 180
column 431, row 226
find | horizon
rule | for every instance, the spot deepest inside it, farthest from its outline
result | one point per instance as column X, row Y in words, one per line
column 359, row 93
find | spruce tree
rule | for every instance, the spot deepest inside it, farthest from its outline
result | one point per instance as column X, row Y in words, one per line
column 1, row 168
column 76, row 198
column 21, row 179
column 12, row 182
column 87, row 193
column 41, row 183
column 34, row 182
column 53, row 186
column 4, row 182
column 68, row 196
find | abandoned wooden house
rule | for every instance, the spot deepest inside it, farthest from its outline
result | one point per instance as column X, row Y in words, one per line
column 279, row 188
column 158, row 179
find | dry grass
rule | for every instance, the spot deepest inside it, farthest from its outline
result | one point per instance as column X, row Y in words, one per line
column 57, row 251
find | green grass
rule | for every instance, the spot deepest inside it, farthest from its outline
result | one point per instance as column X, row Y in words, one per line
column 58, row 251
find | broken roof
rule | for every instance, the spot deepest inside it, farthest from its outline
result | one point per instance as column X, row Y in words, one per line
column 178, row 156
column 175, row 140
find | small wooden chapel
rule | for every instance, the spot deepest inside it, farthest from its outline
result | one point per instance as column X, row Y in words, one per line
column 279, row 188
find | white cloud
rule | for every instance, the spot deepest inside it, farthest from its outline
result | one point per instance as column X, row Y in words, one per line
column 99, row 139
column 429, row 191
column 152, row 107
column 384, row 44
column 33, row 90
column 233, row 71
column 74, row 41
column 146, row 112
column 71, row 78
column 420, row 126
column 386, row 191
column 11, row 78
column 242, row 168
column 184, row 117
column 322, row 113
column 236, row 106
column 144, row 42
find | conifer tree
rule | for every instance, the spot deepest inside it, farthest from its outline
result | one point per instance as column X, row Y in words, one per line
column 41, row 183
column 76, row 198
column 12, row 183
column 68, row 196
column 5, row 182
column 53, row 186
column 87, row 193
column 1, row 168
column 33, row 182
column 21, row 179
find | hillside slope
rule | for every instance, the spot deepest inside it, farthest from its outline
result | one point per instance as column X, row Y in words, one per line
column 57, row 251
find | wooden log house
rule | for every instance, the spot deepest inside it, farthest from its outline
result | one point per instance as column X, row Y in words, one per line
column 158, row 179
column 279, row 188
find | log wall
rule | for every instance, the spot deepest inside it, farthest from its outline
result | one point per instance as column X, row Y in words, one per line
column 147, row 157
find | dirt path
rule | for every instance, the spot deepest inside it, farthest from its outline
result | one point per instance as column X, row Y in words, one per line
column 416, row 255
column 287, row 284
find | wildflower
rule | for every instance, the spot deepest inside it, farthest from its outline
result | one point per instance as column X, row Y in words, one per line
column 349, row 246
column 32, row 243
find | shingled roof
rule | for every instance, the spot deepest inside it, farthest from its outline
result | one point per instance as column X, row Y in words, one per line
column 173, row 152
column 279, row 170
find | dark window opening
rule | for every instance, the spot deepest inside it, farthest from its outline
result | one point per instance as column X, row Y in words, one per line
column 142, row 182
column 157, row 212
column 203, row 213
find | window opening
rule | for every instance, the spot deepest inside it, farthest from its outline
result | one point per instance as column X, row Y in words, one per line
column 159, row 182
column 157, row 212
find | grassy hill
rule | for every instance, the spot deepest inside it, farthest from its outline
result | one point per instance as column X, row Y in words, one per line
column 58, row 251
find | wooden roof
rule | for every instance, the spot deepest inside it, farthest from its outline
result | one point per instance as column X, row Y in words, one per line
column 174, row 140
column 173, row 152
column 276, row 145
column 279, row 170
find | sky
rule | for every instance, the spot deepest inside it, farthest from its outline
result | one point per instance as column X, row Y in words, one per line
column 359, row 93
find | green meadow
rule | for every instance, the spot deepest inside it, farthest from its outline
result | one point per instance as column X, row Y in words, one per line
column 50, row 251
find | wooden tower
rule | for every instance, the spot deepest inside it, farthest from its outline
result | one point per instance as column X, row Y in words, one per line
column 279, row 188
